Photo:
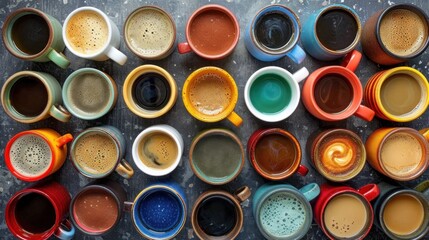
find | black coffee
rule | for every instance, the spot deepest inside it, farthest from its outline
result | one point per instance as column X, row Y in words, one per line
column 336, row 29
column 274, row 30
column 216, row 215
column 30, row 33
column 29, row 96
column 333, row 93
column 35, row 213
column 151, row 91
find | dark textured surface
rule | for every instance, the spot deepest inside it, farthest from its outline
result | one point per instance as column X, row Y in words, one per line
column 240, row 64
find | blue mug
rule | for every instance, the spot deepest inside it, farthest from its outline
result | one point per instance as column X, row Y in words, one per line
column 283, row 211
column 274, row 33
column 331, row 32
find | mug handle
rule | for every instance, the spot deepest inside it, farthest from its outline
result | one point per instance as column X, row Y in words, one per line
column 423, row 186
column 124, row 169
column 351, row 60
column 184, row 48
column 59, row 59
column 60, row 113
column 235, row 119
column 310, row 191
column 116, row 55
column 65, row 231
column 365, row 113
column 63, row 140
column 296, row 54
column 300, row 75
column 242, row 194
column 302, row 170
column 425, row 133
column 369, row 191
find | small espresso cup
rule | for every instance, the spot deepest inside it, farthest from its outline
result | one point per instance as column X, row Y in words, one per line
column 89, row 93
column 216, row 156
column 274, row 33
column 97, row 208
column 40, row 211
column 89, row 33
column 334, row 93
column 275, row 154
column 150, row 33
column 149, row 91
column 401, row 213
column 212, row 32
column 345, row 213
column 331, row 32
column 337, row 154
column 29, row 97
column 399, row 94
column 272, row 93
column 283, row 212
column 98, row 151
column 159, row 211
column 157, row 150
column 217, row 214
column 30, row 34
column 35, row 154
column 399, row 153
column 210, row 94
column 396, row 34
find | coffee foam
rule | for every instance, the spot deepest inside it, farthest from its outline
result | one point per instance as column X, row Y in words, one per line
column 87, row 32
column 30, row 155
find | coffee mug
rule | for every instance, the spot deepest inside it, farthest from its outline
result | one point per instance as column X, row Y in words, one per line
column 216, row 156
column 212, row 32
column 331, row 32
column 89, row 93
column 399, row 94
column 345, row 213
column 30, row 34
column 283, row 212
column 35, row 154
column 217, row 214
column 89, row 33
column 335, row 93
column 274, row 33
column 29, row 97
column 159, row 211
column 396, row 34
column 272, row 93
column 98, row 151
column 275, row 154
column 97, row 208
column 40, row 211
column 399, row 153
column 337, row 154
column 210, row 94
column 149, row 91
column 157, row 150
column 150, row 33
column 401, row 213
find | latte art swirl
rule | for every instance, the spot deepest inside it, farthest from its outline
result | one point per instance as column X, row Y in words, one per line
column 339, row 153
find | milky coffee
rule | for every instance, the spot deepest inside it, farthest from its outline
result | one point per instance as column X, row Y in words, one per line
column 158, row 150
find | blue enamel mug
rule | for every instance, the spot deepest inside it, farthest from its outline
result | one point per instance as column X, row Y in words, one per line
column 274, row 33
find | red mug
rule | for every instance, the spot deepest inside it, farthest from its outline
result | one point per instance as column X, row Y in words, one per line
column 346, row 213
column 40, row 211
column 279, row 164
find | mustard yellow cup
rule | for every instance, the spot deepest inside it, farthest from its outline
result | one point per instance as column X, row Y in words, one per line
column 210, row 95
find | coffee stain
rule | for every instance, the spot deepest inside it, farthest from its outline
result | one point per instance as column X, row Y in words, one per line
column 65, row 2
column 190, row 233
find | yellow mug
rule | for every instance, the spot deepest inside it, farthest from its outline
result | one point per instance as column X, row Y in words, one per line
column 210, row 95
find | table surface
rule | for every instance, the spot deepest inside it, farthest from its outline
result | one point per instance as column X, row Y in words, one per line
column 240, row 65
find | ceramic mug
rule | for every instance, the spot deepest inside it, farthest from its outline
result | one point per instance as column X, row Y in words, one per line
column 29, row 97
column 217, row 214
column 399, row 153
column 35, row 154
column 210, row 94
column 274, row 33
column 40, row 211
column 89, row 93
column 212, row 32
column 283, row 212
column 89, row 33
column 216, row 156
column 98, row 151
column 157, row 150
column 278, row 162
column 335, row 93
column 331, row 32
column 272, row 93
column 149, row 91
column 30, row 34
column 345, row 213
column 396, row 34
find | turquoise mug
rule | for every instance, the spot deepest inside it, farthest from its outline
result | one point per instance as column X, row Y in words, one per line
column 276, row 205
